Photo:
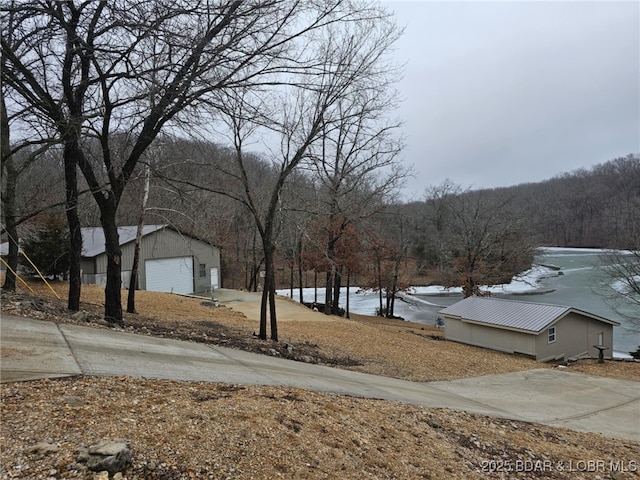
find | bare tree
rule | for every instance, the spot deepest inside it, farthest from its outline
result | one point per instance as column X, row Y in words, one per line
column 356, row 163
column 385, row 249
column 90, row 68
column 337, row 58
column 18, row 156
column 434, row 224
column 622, row 278
column 9, row 183
column 133, row 281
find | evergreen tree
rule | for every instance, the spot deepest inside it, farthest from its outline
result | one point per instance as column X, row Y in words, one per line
column 48, row 248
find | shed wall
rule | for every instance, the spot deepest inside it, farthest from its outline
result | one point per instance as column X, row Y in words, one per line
column 576, row 336
column 489, row 337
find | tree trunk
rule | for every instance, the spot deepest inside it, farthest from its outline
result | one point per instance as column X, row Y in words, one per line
column 291, row 279
column 387, row 303
column 331, row 273
column 268, row 300
column 328, row 291
column 12, row 255
column 9, row 180
column 394, row 287
column 381, row 312
column 71, row 155
column 269, row 287
column 337, row 284
column 113, row 289
column 133, row 282
column 262, row 335
column 255, row 268
column 272, row 307
column 392, row 304
column 8, row 209
column 348, row 294
column 300, row 272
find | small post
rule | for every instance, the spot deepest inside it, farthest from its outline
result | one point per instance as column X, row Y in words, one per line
column 214, row 300
column 601, row 349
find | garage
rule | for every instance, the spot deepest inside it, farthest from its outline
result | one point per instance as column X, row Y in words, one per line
column 169, row 260
column 173, row 275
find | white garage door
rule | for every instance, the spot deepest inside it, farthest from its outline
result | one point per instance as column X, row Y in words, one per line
column 170, row 275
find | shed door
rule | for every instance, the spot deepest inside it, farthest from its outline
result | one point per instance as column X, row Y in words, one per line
column 170, row 275
column 215, row 282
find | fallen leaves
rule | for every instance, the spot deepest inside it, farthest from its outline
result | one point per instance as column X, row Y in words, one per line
column 199, row 430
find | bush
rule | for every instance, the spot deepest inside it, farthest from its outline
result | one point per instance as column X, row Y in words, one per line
column 48, row 249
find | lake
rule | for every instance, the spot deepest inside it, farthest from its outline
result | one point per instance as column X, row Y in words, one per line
column 579, row 285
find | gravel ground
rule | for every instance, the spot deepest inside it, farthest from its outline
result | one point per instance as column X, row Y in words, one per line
column 197, row 430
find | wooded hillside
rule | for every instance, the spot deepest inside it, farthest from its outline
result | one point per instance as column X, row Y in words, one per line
column 436, row 239
column 269, row 129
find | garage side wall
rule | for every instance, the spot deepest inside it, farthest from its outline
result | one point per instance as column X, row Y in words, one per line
column 576, row 336
column 171, row 244
column 168, row 243
column 489, row 337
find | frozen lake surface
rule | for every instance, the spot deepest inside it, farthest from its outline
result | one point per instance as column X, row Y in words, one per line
column 561, row 276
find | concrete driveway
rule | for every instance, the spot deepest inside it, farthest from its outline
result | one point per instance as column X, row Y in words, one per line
column 34, row 349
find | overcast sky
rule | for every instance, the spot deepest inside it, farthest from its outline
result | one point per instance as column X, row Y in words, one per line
column 506, row 92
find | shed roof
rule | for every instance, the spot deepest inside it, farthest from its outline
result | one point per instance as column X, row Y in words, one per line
column 512, row 314
column 93, row 242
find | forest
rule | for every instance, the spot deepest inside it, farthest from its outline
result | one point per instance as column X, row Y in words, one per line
column 268, row 129
column 452, row 236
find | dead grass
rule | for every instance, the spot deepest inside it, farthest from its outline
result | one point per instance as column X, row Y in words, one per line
column 394, row 348
column 182, row 430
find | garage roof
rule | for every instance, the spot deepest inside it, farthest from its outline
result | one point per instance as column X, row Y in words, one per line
column 93, row 242
column 511, row 314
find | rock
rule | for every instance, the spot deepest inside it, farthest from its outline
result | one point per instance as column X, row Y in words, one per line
column 73, row 401
column 307, row 359
column 104, row 475
column 81, row 316
column 433, row 422
column 44, row 448
column 111, row 456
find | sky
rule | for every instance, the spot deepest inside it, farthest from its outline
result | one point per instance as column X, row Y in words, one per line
column 507, row 92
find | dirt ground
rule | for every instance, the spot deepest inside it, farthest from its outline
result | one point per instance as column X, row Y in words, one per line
column 197, row 430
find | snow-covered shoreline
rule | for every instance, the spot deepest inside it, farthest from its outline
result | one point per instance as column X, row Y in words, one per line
column 426, row 297
column 527, row 282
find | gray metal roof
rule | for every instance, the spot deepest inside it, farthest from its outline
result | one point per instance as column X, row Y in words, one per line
column 93, row 242
column 511, row 314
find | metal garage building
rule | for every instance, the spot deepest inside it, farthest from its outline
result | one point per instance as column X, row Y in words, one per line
column 544, row 332
column 170, row 261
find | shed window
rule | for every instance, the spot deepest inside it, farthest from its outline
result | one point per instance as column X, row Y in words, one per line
column 203, row 270
column 552, row 334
